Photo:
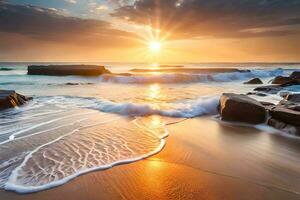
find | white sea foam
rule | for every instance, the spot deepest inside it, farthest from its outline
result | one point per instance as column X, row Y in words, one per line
column 188, row 109
column 191, row 77
column 69, row 156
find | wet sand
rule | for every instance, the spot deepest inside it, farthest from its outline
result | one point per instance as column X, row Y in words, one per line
column 202, row 159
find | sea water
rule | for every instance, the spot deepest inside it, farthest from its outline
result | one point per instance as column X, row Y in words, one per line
column 75, row 124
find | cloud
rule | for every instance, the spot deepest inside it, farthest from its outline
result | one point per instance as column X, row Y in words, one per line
column 71, row 1
column 217, row 18
column 47, row 24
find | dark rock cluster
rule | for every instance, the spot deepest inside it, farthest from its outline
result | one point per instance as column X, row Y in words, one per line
column 284, row 116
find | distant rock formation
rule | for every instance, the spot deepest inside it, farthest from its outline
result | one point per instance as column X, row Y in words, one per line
column 10, row 99
column 65, row 70
column 254, row 81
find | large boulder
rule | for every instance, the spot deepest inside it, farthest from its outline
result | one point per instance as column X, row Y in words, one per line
column 10, row 99
column 241, row 108
column 285, row 115
column 254, row 81
column 281, row 80
column 65, row 70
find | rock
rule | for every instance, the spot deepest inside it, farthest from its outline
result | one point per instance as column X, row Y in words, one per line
column 10, row 99
column 285, row 115
column 272, row 89
column 287, row 128
column 241, row 108
column 64, row 70
column 295, row 75
column 254, row 81
column 267, row 104
column 295, row 98
column 72, row 84
column 281, row 80
column 257, row 94
column 291, row 83
column 6, row 69
column 284, row 94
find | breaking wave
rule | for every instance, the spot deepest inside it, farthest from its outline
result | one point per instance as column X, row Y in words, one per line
column 190, row 77
column 187, row 109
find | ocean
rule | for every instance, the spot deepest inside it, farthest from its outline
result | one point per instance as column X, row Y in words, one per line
column 75, row 124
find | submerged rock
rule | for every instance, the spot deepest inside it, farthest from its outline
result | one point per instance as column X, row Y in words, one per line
column 241, row 108
column 272, row 89
column 10, row 99
column 254, row 81
column 295, row 98
column 287, row 128
column 64, row 70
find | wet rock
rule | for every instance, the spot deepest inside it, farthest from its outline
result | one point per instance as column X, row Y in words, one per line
column 287, row 128
column 295, row 98
column 254, row 81
column 281, row 80
column 72, row 84
column 285, row 115
column 295, row 75
column 65, row 70
column 6, row 69
column 241, row 108
column 10, row 99
column 267, row 104
column 257, row 94
column 271, row 89
column 284, row 94
column 291, row 83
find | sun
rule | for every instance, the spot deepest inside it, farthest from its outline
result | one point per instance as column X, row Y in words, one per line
column 154, row 46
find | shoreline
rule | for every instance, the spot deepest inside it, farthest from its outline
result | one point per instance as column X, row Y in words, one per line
column 220, row 161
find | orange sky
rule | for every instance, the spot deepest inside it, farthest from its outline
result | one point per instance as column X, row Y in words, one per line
column 189, row 31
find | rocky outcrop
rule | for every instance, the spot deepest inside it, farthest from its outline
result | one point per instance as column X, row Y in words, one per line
column 281, row 80
column 254, row 81
column 294, row 78
column 241, row 108
column 64, row 70
column 10, row 99
column 285, row 115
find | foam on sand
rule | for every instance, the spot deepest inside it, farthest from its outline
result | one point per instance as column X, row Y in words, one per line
column 82, row 151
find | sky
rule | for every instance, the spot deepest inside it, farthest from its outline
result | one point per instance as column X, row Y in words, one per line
column 125, row 30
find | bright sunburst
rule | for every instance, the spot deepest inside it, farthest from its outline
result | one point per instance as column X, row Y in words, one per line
column 154, row 46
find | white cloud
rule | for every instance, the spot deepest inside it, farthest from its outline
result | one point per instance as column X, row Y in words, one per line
column 102, row 7
column 71, row 1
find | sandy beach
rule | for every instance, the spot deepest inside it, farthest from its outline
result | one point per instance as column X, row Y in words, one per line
column 207, row 160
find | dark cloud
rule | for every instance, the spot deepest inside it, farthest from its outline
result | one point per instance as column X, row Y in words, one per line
column 219, row 18
column 48, row 24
